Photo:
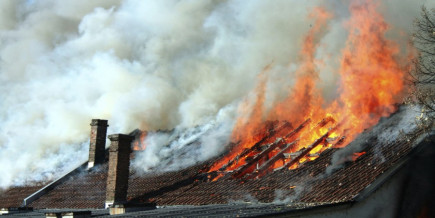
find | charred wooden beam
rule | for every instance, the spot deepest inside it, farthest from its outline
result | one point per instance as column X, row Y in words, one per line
column 236, row 159
column 306, row 151
column 325, row 121
column 250, row 166
column 320, row 140
column 256, row 146
column 289, row 136
column 263, row 169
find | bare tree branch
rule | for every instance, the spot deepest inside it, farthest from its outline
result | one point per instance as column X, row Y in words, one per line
column 422, row 75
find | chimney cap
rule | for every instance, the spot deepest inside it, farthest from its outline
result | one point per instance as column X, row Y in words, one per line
column 99, row 122
column 119, row 137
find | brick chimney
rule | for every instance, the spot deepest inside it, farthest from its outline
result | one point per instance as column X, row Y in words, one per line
column 119, row 164
column 98, row 142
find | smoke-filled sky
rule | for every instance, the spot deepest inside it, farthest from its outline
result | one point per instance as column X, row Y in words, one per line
column 151, row 65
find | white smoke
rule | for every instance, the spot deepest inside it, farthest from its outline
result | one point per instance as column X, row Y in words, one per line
column 404, row 122
column 142, row 64
column 184, row 147
column 286, row 197
column 246, row 199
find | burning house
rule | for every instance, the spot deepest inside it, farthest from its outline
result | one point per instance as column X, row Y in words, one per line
column 321, row 132
column 370, row 177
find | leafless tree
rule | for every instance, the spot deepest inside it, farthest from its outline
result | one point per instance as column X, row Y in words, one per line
column 423, row 73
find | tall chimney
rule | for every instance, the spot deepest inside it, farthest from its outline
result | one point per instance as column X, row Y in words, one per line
column 119, row 164
column 98, row 142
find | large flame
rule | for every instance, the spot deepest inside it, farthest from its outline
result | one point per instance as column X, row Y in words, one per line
column 371, row 78
column 370, row 85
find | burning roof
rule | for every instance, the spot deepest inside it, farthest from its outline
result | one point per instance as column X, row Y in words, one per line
column 190, row 82
column 334, row 175
column 297, row 147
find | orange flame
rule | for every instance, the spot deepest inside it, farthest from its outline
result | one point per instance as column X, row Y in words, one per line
column 371, row 83
column 139, row 143
column 303, row 99
column 356, row 155
column 372, row 79
column 253, row 127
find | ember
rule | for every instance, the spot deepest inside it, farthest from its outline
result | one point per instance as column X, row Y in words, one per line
column 357, row 155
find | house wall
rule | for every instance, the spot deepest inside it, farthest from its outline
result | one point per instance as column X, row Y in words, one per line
column 418, row 199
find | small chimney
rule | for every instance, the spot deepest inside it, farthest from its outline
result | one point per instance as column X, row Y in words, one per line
column 98, row 142
column 119, row 164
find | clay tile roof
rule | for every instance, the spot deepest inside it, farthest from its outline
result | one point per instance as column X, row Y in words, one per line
column 13, row 196
column 341, row 185
column 188, row 187
column 85, row 189
column 311, row 183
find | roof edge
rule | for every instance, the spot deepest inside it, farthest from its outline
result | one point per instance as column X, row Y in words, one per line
column 28, row 200
column 297, row 212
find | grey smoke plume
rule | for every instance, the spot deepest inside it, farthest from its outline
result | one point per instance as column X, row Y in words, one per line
column 145, row 64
